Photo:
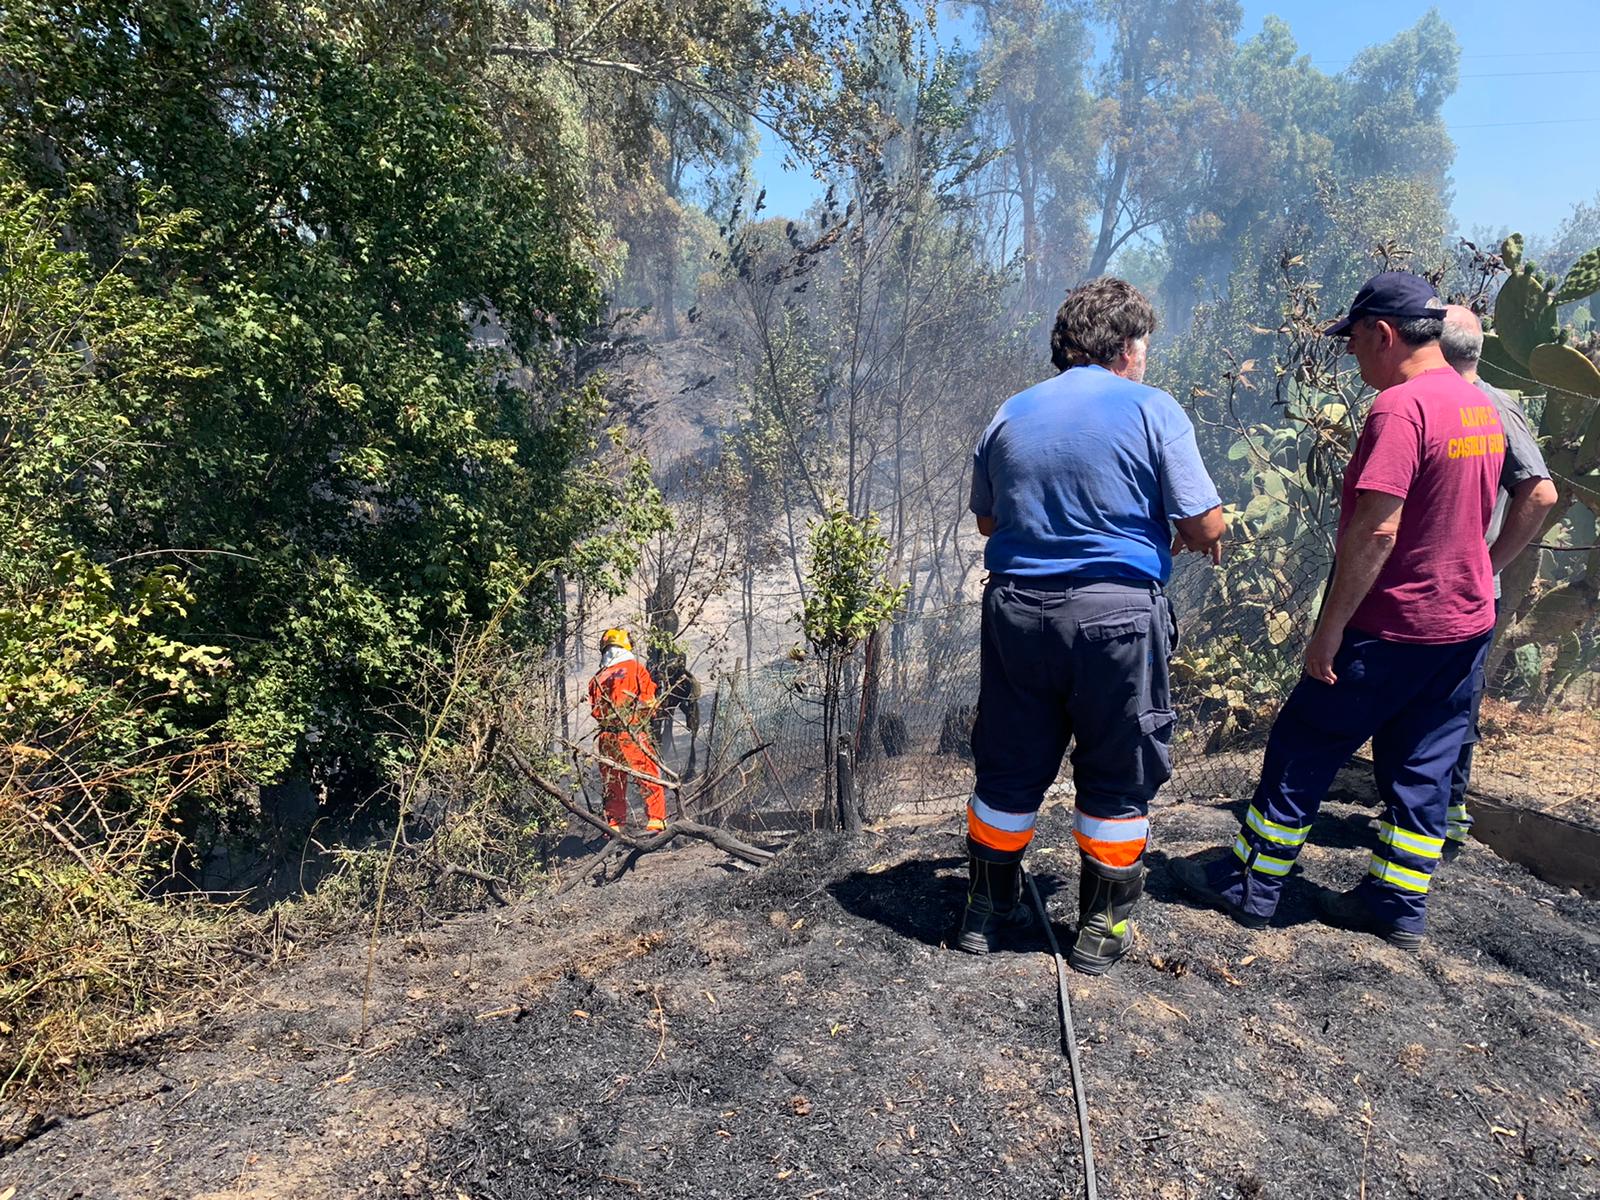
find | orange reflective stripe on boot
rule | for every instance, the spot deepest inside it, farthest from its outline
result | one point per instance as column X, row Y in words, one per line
column 997, row 830
column 1114, row 841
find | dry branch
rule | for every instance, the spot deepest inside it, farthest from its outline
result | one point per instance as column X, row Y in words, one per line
column 492, row 883
column 720, row 838
column 582, row 871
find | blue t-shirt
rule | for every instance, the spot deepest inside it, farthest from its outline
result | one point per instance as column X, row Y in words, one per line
column 1082, row 474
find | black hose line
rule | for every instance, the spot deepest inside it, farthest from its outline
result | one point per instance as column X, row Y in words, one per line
column 1069, row 1043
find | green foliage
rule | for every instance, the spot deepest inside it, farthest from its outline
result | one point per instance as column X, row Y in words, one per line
column 1582, row 280
column 1392, row 96
column 90, row 653
column 334, row 402
column 848, row 595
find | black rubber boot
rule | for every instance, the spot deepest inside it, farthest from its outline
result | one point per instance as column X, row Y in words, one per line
column 1348, row 910
column 995, row 907
column 1106, row 896
column 1194, row 879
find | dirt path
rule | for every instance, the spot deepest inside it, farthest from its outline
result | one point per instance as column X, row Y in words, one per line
column 697, row 1031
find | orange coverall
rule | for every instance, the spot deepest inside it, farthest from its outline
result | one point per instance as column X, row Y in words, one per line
column 623, row 699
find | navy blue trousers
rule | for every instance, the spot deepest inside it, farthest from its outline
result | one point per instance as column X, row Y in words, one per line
column 1082, row 661
column 1459, row 826
column 1415, row 703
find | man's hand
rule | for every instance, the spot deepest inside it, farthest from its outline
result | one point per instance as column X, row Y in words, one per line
column 1211, row 549
column 1202, row 534
column 1324, row 645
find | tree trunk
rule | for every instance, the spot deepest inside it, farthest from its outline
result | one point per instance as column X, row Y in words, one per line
column 561, row 658
column 1022, row 149
column 849, row 810
column 669, row 285
column 867, row 716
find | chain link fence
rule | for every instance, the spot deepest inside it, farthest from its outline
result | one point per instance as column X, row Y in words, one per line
column 913, row 693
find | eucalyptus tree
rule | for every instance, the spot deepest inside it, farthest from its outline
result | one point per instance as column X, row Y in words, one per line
column 1030, row 70
column 1156, row 112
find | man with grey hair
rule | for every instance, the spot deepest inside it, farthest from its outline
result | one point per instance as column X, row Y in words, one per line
column 1400, row 637
column 1526, row 496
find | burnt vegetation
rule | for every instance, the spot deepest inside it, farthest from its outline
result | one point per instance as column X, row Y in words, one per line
column 349, row 390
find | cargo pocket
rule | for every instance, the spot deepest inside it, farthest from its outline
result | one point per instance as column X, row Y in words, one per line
column 1116, row 655
column 1155, row 746
column 1124, row 622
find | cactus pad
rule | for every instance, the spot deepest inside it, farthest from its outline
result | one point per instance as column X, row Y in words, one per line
column 1511, row 252
column 1524, row 315
column 1499, row 369
column 1565, row 368
column 1583, row 280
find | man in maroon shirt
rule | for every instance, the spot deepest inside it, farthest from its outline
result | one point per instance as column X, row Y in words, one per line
column 1403, row 630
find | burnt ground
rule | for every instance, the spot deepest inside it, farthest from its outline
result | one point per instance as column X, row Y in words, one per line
column 694, row 1030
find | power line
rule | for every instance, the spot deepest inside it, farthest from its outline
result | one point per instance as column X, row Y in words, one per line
column 1510, row 124
column 1531, row 74
column 1507, row 54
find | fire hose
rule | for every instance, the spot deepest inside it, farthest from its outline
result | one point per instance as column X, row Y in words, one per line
column 1069, row 1043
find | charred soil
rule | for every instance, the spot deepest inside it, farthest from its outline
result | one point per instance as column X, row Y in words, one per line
column 693, row 1030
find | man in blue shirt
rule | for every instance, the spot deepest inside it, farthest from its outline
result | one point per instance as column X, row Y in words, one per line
column 1077, row 483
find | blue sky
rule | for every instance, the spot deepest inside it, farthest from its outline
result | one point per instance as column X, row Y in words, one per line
column 1524, row 68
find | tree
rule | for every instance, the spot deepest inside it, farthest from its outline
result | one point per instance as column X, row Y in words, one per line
column 1392, row 95
column 1155, row 113
column 1030, row 72
column 847, row 598
column 369, row 436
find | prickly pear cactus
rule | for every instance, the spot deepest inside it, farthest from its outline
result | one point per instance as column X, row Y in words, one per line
column 1524, row 314
column 1582, row 280
column 1511, row 252
column 1528, row 351
column 1565, row 368
column 1498, row 367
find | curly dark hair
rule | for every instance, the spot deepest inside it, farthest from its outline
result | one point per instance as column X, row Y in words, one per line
column 1096, row 319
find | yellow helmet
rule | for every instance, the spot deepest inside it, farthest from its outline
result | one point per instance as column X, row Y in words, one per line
column 616, row 637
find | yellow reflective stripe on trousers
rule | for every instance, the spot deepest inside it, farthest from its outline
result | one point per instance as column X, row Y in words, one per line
column 1263, row 863
column 1401, row 877
column 1419, row 844
column 1284, row 835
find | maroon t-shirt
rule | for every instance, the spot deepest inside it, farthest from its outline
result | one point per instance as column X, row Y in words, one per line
column 1436, row 442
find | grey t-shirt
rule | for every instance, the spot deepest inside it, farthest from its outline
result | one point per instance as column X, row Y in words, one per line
column 1523, row 459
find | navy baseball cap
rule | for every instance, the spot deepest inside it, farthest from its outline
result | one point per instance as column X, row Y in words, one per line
column 1397, row 294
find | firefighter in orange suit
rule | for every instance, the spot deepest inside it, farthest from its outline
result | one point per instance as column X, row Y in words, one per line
column 622, row 697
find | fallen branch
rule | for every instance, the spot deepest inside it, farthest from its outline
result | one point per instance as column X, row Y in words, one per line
column 492, row 883
column 665, row 777
column 720, row 838
column 587, row 867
